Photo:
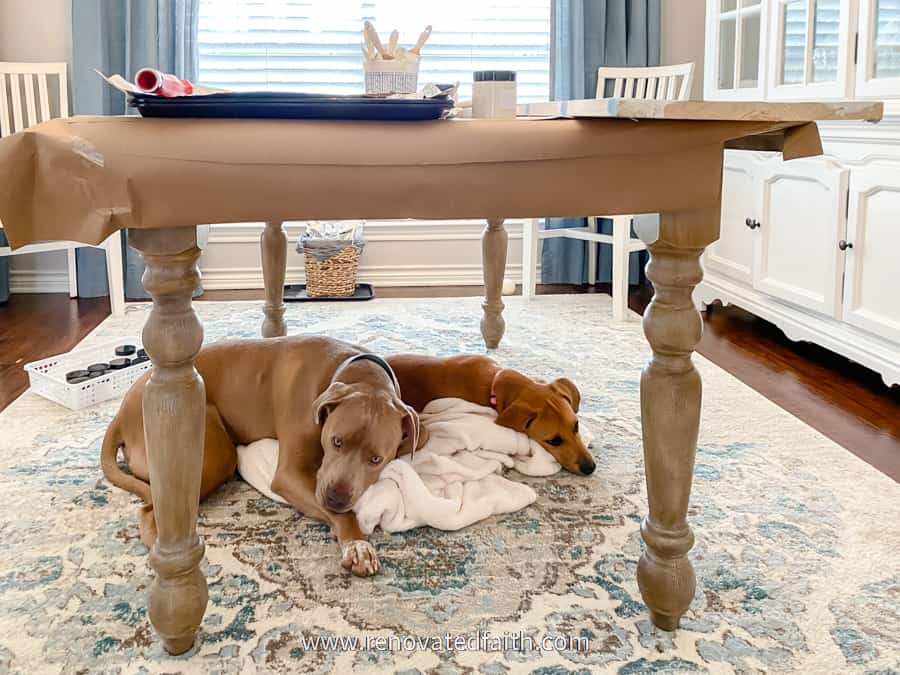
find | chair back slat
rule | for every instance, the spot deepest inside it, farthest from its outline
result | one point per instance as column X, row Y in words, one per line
column 28, row 81
column 64, row 91
column 43, row 97
column 16, row 92
column 662, row 86
column 658, row 82
column 22, row 107
column 5, row 126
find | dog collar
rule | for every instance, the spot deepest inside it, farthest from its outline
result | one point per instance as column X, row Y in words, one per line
column 493, row 399
column 374, row 358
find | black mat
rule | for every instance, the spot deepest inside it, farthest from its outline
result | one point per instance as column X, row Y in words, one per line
column 297, row 293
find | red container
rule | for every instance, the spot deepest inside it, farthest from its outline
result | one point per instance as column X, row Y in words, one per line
column 152, row 81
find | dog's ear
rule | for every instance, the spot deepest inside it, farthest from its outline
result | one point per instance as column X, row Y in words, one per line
column 412, row 431
column 567, row 389
column 328, row 399
column 518, row 416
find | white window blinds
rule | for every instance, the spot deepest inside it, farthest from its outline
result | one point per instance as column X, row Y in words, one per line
column 821, row 65
column 887, row 38
column 314, row 45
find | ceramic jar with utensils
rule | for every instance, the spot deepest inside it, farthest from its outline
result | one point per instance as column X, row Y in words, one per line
column 392, row 77
column 391, row 69
column 494, row 93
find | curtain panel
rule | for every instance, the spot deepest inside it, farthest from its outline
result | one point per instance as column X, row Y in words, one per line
column 122, row 36
column 584, row 35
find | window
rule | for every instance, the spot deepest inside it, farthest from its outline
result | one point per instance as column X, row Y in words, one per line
column 878, row 70
column 736, row 28
column 886, row 57
column 314, row 45
column 811, row 48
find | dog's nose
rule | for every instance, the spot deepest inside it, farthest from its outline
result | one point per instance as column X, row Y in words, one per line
column 587, row 467
column 337, row 497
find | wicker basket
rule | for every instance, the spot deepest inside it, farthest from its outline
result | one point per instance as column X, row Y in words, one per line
column 332, row 278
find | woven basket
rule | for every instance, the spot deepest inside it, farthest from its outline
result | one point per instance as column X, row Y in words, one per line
column 332, row 278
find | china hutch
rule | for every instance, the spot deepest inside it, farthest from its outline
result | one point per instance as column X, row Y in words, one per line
column 812, row 245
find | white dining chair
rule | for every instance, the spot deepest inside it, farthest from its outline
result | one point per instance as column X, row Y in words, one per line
column 662, row 83
column 27, row 97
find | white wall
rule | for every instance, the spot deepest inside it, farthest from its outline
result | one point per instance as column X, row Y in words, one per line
column 682, row 37
column 36, row 30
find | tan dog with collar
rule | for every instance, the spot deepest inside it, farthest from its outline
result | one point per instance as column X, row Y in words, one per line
column 544, row 411
column 335, row 410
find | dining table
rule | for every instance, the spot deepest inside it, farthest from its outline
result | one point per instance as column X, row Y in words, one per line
column 83, row 178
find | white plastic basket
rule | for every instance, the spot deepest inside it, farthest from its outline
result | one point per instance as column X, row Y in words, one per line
column 48, row 376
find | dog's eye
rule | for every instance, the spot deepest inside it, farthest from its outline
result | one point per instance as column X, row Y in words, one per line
column 556, row 440
column 336, row 441
column 376, row 460
column 576, row 426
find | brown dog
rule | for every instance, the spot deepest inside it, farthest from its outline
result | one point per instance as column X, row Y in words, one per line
column 546, row 412
column 335, row 411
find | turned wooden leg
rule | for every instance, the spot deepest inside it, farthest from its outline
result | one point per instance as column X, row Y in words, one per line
column 670, row 412
column 273, row 244
column 174, row 423
column 494, row 242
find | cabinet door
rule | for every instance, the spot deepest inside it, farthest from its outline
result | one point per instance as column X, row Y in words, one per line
column 878, row 60
column 811, row 49
column 732, row 254
column 872, row 271
column 803, row 216
column 735, row 46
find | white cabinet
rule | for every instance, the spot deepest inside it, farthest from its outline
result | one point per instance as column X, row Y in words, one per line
column 872, row 250
column 732, row 254
column 813, row 245
column 802, row 218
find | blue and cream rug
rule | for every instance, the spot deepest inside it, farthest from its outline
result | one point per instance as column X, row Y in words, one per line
column 797, row 554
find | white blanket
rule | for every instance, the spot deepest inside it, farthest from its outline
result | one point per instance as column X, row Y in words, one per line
column 453, row 481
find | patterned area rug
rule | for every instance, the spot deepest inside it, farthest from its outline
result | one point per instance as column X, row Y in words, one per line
column 797, row 554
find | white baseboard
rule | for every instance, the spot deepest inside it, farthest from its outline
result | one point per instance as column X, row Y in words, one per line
column 388, row 275
column 376, row 230
column 398, row 253
column 447, row 253
column 38, row 281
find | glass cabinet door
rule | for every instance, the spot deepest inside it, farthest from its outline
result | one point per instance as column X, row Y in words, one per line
column 734, row 49
column 878, row 65
column 811, row 49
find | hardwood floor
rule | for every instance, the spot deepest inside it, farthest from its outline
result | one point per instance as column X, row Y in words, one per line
column 843, row 400
column 35, row 326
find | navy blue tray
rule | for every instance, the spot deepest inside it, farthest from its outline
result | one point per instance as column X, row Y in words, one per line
column 282, row 105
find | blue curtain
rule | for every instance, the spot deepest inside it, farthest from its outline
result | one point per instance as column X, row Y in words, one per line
column 122, row 36
column 587, row 34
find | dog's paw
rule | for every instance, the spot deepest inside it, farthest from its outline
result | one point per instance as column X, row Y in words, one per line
column 359, row 557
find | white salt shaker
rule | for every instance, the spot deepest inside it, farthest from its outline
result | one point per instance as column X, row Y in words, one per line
column 494, row 93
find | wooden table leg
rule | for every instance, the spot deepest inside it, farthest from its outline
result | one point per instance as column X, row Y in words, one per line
column 670, row 412
column 494, row 242
column 174, row 413
column 273, row 245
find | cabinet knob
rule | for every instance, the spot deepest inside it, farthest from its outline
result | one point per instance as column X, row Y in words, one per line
column 844, row 245
column 752, row 223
